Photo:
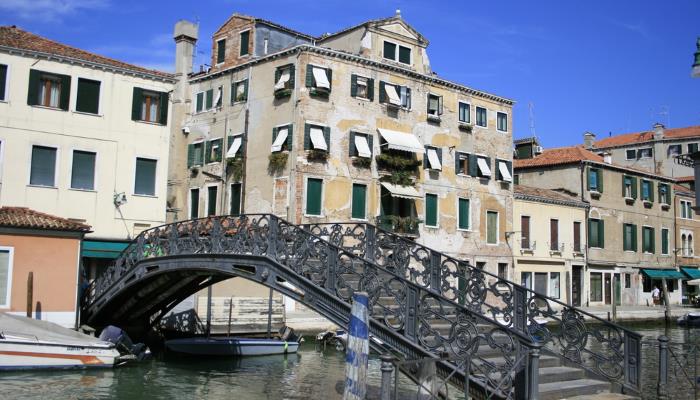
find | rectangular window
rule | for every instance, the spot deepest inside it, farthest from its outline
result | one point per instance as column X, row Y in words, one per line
column 664, row 241
column 212, row 197
column 88, row 99
column 525, row 232
column 3, row 83
column 503, row 270
column 434, row 105
column 596, row 286
column 145, row 180
column 644, row 153
column 462, row 163
column 596, row 233
column 197, row 154
column 554, row 234
column 686, row 210
column 245, row 43
column 692, row 147
column 492, row 227
column 235, row 202
column 284, row 79
column 149, row 106
column 318, row 79
column 484, row 166
column 5, row 277
column 362, row 87
column 629, row 187
column 630, row 154
column 239, row 91
column 316, row 137
column 502, row 122
column 83, row 170
column 194, row 203
column 395, row 95
column 664, row 194
column 648, row 239
column 220, row 51
column 463, row 210
column 554, row 284
column 404, row 55
column 628, row 281
column 577, row 236
column 647, row 190
column 464, row 113
column 281, row 138
column 389, row 50
column 431, row 210
column 505, row 171
column 361, row 145
column 541, row 283
column 595, row 180
column 674, row 150
column 629, row 237
column 481, row 117
column 526, row 279
column 43, row 168
column 359, row 201
column 213, row 150
column 433, row 158
column 314, row 192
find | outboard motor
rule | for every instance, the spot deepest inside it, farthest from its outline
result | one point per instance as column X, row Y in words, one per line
column 123, row 343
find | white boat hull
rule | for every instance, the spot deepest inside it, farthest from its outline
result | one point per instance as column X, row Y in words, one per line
column 19, row 353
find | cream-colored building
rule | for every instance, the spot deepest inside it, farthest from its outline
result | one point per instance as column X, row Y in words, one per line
column 549, row 247
column 350, row 126
column 83, row 137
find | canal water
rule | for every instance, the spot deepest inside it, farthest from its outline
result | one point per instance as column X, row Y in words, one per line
column 308, row 375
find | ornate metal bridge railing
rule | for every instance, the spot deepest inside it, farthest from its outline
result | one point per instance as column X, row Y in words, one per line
column 410, row 311
column 601, row 347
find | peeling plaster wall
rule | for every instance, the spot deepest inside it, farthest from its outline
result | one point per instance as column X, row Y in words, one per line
column 276, row 40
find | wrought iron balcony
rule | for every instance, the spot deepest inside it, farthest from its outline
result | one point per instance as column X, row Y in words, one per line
column 404, row 226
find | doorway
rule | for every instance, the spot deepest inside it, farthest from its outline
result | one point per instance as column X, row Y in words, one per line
column 576, row 274
column 607, row 288
column 618, row 289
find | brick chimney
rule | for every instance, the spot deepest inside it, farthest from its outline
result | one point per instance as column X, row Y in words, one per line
column 588, row 139
column 658, row 131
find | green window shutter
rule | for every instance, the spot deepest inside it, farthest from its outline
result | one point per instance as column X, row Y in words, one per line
column 509, row 164
column 652, row 240
column 651, row 191
column 457, row 166
column 601, row 233
column 353, row 85
column 290, row 135
column 274, row 134
column 88, row 99
column 291, row 76
column 207, row 152
column 3, row 81
column 218, row 151
column 233, row 93
column 382, row 92
column 370, row 89
column 136, row 102
column 235, row 208
column 664, row 241
column 599, row 173
column 624, row 180
column 210, row 99
column 33, row 91
column 212, row 199
column 278, row 75
column 163, row 118
column 353, row 149
column 190, row 155
column 229, row 141
column 473, row 167
column 314, row 191
column 463, row 214
column 440, row 108
column 491, row 227
column 634, row 188
column 592, row 232
column 327, row 136
column 310, row 81
column 145, row 182
column 626, row 244
column 329, row 74
column 307, row 137
column 488, row 162
column 634, row 237
column 200, row 102
column 65, row 92
column 359, row 199
column 245, row 89
column 589, row 171
column 431, row 209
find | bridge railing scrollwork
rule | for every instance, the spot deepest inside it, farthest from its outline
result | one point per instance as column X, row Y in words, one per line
column 604, row 348
column 407, row 313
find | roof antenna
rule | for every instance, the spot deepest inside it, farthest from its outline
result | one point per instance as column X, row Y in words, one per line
column 531, row 108
column 666, row 112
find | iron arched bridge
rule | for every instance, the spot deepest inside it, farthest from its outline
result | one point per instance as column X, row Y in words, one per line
column 423, row 303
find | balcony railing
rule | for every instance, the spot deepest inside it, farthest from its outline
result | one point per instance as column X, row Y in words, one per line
column 407, row 226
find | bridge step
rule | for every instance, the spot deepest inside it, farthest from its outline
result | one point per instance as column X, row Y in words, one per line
column 560, row 374
column 578, row 387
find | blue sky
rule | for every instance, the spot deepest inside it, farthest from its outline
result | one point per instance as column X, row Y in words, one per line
column 599, row 65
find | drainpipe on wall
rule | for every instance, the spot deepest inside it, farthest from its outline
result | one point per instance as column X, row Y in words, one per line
column 244, row 145
column 585, row 230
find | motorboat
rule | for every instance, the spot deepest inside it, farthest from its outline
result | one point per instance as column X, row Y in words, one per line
column 288, row 342
column 27, row 343
column 690, row 319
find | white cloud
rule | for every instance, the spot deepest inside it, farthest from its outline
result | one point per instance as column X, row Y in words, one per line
column 49, row 10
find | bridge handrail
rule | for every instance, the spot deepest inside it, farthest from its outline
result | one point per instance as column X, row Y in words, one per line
column 627, row 342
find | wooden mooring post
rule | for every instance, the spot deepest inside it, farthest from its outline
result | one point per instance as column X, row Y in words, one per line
column 30, row 294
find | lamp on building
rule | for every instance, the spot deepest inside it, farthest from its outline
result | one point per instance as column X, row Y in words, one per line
column 119, row 199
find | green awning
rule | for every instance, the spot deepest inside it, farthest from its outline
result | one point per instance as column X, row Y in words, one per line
column 663, row 273
column 98, row 249
column 693, row 273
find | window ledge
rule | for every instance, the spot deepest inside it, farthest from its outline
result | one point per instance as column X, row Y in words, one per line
column 498, row 130
column 594, row 194
column 465, row 126
column 42, row 186
column 362, row 98
column 629, row 200
column 150, row 196
column 83, row 190
column 320, row 92
column 665, row 207
column 647, row 203
column 87, row 113
column 239, row 102
column 527, row 251
column 578, row 254
column 282, row 93
column 555, row 253
column 148, row 122
column 47, row 107
column 434, row 118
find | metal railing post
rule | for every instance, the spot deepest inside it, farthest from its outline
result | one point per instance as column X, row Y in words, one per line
column 387, row 369
column 663, row 368
column 331, row 270
column 435, row 259
column 633, row 361
column 520, row 309
column 370, row 242
column 273, row 225
column 527, row 377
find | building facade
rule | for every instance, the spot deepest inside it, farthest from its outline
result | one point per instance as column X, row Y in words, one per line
column 630, row 222
column 687, row 230
column 351, row 126
column 83, row 137
column 549, row 251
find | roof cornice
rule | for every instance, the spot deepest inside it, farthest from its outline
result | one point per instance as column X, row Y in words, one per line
column 645, row 143
column 547, row 200
column 352, row 57
column 85, row 63
column 629, row 170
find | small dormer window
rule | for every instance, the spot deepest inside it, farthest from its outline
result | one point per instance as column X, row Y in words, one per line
column 403, row 55
column 220, row 51
column 245, row 43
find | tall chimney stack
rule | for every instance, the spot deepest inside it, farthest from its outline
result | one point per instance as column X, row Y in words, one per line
column 588, row 139
column 658, row 131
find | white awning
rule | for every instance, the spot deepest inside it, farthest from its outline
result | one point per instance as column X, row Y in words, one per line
column 218, row 98
column 362, row 146
column 393, row 96
column 280, row 139
column 321, row 78
column 505, row 173
column 284, row 78
column 317, row 139
column 434, row 160
column 231, row 153
column 401, row 141
column 483, row 167
column 406, row 192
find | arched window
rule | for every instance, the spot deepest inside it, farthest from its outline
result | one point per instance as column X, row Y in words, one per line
column 684, row 245
column 691, row 250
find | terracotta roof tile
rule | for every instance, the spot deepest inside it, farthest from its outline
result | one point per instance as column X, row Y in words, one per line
column 641, row 137
column 679, row 188
column 11, row 36
column 23, row 217
column 546, row 194
column 558, row 156
column 690, row 178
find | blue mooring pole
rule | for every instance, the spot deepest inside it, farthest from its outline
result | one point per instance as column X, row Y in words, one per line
column 357, row 350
